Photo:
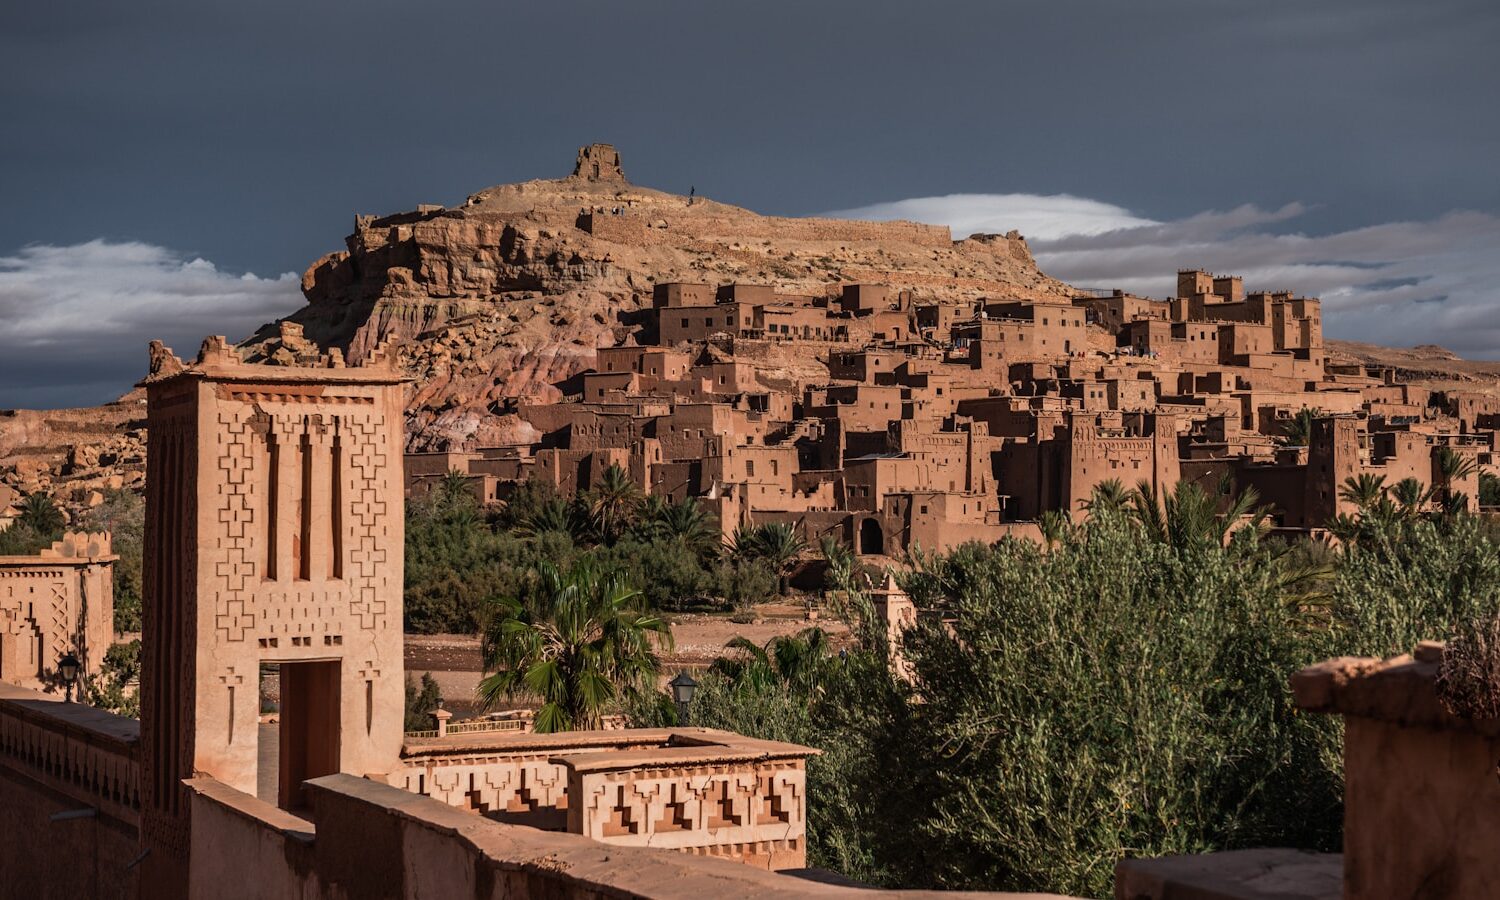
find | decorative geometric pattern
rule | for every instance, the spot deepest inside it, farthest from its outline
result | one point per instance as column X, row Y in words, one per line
column 237, row 519
column 516, row 785
column 40, row 608
column 717, row 810
column 245, row 601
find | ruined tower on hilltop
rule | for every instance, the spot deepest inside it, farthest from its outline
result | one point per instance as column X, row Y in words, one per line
column 274, row 536
column 598, row 162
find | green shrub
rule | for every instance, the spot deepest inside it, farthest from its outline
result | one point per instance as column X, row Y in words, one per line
column 421, row 701
column 1123, row 693
column 109, row 689
column 123, row 515
column 1114, row 696
column 1489, row 489
column 452, row 566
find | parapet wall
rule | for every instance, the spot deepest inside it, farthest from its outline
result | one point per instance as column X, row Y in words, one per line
column 378, row 842
column 701, row 791
column 69, row 798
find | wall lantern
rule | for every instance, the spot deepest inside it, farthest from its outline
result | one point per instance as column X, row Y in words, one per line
column 683, row 689
column 68, row 667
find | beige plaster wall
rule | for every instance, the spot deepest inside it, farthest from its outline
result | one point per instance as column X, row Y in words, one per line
column 1422, row 811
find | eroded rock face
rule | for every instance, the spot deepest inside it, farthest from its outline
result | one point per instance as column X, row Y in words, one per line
column 72, row 454
column 505, row 297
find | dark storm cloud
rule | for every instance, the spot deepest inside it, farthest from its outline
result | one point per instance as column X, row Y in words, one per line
column 249, row 134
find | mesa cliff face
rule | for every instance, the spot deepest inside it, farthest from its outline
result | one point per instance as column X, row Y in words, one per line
column 503, row 298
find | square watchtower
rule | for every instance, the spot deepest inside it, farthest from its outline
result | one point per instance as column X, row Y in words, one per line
column 274, row 536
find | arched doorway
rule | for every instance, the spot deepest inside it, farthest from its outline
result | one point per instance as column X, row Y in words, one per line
column 871, row 538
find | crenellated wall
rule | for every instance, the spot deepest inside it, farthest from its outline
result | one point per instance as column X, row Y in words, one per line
column 60, row 601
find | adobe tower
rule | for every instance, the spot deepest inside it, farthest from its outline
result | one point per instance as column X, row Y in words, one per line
column 274, row 535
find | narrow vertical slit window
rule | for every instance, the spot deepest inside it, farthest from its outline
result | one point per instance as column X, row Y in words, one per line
column 303, row 550
column 369, row 706
column 273, row 468
column 336, row 512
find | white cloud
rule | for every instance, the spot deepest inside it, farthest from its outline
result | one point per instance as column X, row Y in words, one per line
column 1034, row 215
column 77, row 318
column 1396, row 283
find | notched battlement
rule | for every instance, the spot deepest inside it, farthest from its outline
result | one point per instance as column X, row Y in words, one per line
column 291, row 357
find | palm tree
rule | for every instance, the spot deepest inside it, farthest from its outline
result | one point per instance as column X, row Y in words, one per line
column 454, row 488
column 452, row 500
column 1346, row 528
column 778, row 544
column 1296, row 430
column 1411, row 495
column 579, row 641
column 1452, row 504
column 1362, row 490
column 612, row 504
column 1108, row 496
column 41, row 515
column 684, row 521
column 1453, row 467
column 795, row 661
column 1190, row 516
column 1382, row 517
column 553, row 515
column 1055, row 526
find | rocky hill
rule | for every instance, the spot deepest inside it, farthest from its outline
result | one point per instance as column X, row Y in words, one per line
column 507, row 295
column 504, row 297
column 77, row 454
column 1427, row 364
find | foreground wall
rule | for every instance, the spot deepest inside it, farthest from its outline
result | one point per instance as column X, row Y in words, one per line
column 1421, row 797
column 377, row 842
column 69, row 800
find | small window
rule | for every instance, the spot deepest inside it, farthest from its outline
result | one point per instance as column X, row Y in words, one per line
column 749, row 468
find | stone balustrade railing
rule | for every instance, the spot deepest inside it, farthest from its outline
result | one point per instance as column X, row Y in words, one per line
column 697, row 790
column 477, row 727
column 84, row 753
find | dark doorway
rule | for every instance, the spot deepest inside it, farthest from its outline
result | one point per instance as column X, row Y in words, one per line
column 308, row 743
column 871, row 538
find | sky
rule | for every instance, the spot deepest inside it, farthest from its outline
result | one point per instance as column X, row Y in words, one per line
column 169, row 168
